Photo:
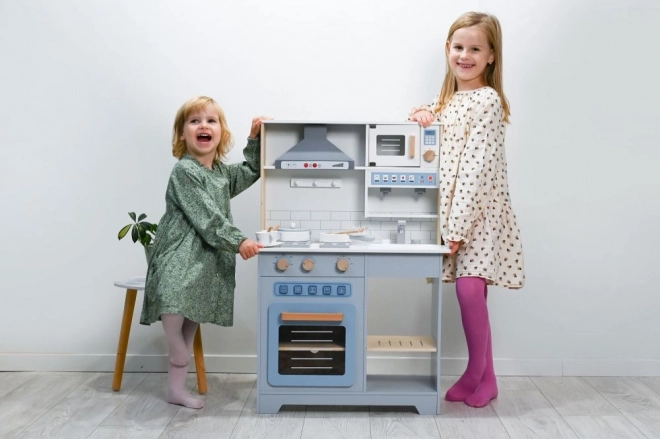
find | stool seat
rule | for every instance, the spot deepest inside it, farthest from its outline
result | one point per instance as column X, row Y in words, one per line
column 135, row 283
column 132, row 286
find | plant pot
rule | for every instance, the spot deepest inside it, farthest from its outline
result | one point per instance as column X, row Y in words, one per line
column 148, row 252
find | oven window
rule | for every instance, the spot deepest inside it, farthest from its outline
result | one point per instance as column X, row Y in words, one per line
column 390, row 145
column 312, row 350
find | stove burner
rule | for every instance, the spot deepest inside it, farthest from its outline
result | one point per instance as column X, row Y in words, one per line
column 334, row 245
column 296, row 244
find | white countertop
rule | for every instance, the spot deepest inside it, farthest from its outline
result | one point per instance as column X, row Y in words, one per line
column 419, row 249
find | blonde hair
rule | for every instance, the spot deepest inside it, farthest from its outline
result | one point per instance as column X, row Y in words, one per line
column 179, row 148
column 493, row 73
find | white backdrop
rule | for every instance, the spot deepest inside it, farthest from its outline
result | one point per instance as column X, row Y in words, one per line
column 89, row 89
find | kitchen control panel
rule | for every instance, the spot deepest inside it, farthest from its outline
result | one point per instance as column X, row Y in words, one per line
column 314, row 165
column 312, row 289
column 306, row 265
column 403, row 179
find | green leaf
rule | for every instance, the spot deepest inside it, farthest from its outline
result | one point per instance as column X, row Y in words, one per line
column 132, row 215
column 123, row 231
column 146, row 225
column 141, row 217
column 154, row 228
column 141, row 232
column 134, row 234
column 147, row 240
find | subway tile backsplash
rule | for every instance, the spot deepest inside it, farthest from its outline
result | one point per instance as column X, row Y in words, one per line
column 421, row 229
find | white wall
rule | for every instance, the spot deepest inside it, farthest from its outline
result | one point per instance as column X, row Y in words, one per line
column 89, row 91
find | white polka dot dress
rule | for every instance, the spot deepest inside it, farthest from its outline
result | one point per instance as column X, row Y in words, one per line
column 473, row 202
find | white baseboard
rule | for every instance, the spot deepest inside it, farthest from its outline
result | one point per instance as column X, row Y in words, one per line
column 375, row 365
column 641, row 368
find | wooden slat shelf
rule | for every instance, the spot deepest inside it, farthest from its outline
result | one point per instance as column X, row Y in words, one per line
column 397, row 343
column 311, row 347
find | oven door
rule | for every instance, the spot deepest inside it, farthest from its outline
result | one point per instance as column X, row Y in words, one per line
column 311, row 344
column 394, row 145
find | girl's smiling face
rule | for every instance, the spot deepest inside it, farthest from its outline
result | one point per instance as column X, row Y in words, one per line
column 468, row 55
column 201, row 132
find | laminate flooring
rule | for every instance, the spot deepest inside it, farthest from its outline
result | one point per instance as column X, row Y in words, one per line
column 82, row 405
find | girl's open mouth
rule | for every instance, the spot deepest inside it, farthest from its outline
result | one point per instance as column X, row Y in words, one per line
column 204, row 137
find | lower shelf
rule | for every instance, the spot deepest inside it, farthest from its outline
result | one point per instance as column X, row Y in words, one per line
column 404, row 384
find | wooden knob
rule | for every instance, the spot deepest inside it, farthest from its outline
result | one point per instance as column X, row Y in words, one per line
column 282, row 264
column 308, row 265
column 429, row 156
column 342, row 264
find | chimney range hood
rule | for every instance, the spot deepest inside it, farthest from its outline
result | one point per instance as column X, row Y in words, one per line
column 314, row 151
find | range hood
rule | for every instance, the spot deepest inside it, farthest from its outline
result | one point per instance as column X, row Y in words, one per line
column 314, row 151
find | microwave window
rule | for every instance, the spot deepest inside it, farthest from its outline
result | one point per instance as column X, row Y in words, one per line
column 390, row 145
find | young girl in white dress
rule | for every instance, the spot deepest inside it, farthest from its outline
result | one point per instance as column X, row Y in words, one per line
column 476, row 220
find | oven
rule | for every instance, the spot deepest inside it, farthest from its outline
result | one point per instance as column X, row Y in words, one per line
column 311, row 309
column 407, row 145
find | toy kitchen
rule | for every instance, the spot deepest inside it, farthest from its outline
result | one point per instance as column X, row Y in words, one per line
column 351, row 202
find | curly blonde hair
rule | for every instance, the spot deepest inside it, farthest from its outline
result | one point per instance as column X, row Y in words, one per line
column 179, row 148
column 493, row 73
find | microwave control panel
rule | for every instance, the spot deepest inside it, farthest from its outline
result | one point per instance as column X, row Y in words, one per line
column 430, row 137
column 398, row 178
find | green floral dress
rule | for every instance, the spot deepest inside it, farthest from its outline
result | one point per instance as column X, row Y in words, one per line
column 193, row 267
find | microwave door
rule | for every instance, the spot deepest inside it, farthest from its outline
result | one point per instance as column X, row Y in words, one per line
column 394, row 145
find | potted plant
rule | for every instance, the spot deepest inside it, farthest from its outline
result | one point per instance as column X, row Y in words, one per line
column 142, row 231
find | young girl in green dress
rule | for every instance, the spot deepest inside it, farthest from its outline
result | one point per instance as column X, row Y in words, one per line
column 191, row 275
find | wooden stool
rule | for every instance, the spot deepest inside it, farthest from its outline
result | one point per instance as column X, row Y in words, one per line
column 132, row 286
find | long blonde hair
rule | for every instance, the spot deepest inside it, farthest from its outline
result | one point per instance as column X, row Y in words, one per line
column 191, row 106
column 493, row 73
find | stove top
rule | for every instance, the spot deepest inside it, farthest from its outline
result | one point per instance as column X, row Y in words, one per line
column 308, row 244
column 334, row 245
column 296, row 244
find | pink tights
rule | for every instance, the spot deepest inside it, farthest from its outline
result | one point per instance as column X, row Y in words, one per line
column 477, row 386
column 180, row 333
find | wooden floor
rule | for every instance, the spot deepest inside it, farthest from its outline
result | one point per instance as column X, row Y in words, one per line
column 81, row 405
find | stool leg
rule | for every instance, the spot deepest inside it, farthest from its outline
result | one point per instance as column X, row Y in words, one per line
column 199, row 361
column 127, row 319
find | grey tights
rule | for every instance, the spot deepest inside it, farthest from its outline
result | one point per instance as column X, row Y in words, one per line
column 180, row 333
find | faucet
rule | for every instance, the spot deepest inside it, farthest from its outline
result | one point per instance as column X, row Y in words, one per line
column 401, row 232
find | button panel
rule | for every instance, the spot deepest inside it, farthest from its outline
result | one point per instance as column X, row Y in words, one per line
column 312, row 289
column 401, row 179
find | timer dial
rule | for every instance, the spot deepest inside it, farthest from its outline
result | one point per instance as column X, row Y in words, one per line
column 429, row 156
column 342, row 264
column 282, row 264
column 308, row 265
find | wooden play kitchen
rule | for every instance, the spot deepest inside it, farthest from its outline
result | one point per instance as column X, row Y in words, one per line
column 313, row 340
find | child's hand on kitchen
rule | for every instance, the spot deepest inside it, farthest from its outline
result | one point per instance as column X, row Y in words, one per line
column 255, row 127
column 423, row 117
column 249, row 248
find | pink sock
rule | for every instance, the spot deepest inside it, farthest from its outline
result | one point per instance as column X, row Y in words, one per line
column 471, row 293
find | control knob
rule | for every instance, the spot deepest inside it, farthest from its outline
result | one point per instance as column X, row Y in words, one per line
column 282, row 264
column 342, row 264
column 429, row 156
column 308, row 265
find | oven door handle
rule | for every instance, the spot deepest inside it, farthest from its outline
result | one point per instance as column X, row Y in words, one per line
column 312, row 316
